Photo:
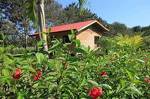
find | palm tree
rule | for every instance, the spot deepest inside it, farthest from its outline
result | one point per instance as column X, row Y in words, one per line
column 41, row 18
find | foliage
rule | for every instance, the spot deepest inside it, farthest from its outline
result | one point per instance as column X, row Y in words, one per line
column 130, row 41
column 72, row 13
column 145, row 30
column 53, row 12
column 146, row 44
column 117, row 27
column 122, row 73
column 56, row 14
column 15, row 23
column 120, row 28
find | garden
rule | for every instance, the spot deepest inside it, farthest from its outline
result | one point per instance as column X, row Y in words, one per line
column 118, row 69
column 121, row 72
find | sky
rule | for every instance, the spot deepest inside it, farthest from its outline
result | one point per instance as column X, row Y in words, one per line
column 129, row 12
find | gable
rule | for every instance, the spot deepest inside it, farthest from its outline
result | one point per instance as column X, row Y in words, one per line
column 87, row 38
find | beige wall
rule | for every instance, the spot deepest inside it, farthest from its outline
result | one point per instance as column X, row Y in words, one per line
column 86, row 38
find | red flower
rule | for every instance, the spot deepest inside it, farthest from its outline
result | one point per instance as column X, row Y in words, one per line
column 38, row 75
column 36, row 78
column 17, row 74
column 147, row 80
column 103, row 74
column 95, row 92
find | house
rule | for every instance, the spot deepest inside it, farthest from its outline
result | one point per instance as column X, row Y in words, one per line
column 88, row 32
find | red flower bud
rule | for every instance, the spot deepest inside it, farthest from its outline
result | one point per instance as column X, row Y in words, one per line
column 95, row 92
column 38, row 75
column 36, row 78
column 103, row 74
column 17, row 74
column 147, row 80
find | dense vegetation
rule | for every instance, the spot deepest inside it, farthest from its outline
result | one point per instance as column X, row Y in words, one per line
column 120, row 72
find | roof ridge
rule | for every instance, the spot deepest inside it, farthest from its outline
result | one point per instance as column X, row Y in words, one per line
column 73, row 23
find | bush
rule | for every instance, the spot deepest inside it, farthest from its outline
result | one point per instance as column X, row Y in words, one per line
column 121, row 74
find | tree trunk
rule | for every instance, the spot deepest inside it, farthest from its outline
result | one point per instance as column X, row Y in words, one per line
column 26, row 38
column 41, row 22
column 25, row 22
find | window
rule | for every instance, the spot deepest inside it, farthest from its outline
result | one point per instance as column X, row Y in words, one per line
column 66, row 39
column 96, row 39
column 52, row 37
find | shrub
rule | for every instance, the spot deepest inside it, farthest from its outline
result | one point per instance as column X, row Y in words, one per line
column 120, row 74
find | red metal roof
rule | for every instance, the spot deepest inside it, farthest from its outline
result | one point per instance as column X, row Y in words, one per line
column 72, row 26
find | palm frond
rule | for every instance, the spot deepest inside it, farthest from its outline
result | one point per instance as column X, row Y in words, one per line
column 31, row 7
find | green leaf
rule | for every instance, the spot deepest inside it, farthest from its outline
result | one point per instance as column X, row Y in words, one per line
column 130, row 75
column 71, row 35
column 28, row 68
column 118, row 88
column 35, row 85
column 134, row 89
column 84, row 81
column 7, row 60
column 41, row 58
column 20, row 95
column 5, row 72
column 80, row 50
column 106, row 86
column 70, row 93
column 5, row 79
column 123, row 83
column 56, row 44
column 139, row 60
column 30, row 5
column 77, row 43
column 93, row 82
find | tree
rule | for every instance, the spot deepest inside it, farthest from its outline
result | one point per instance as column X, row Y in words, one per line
column 72, row 14
column 13, row 16
column 53, row 12
column 136, row 29
column 120, row 28
column 146, row 30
